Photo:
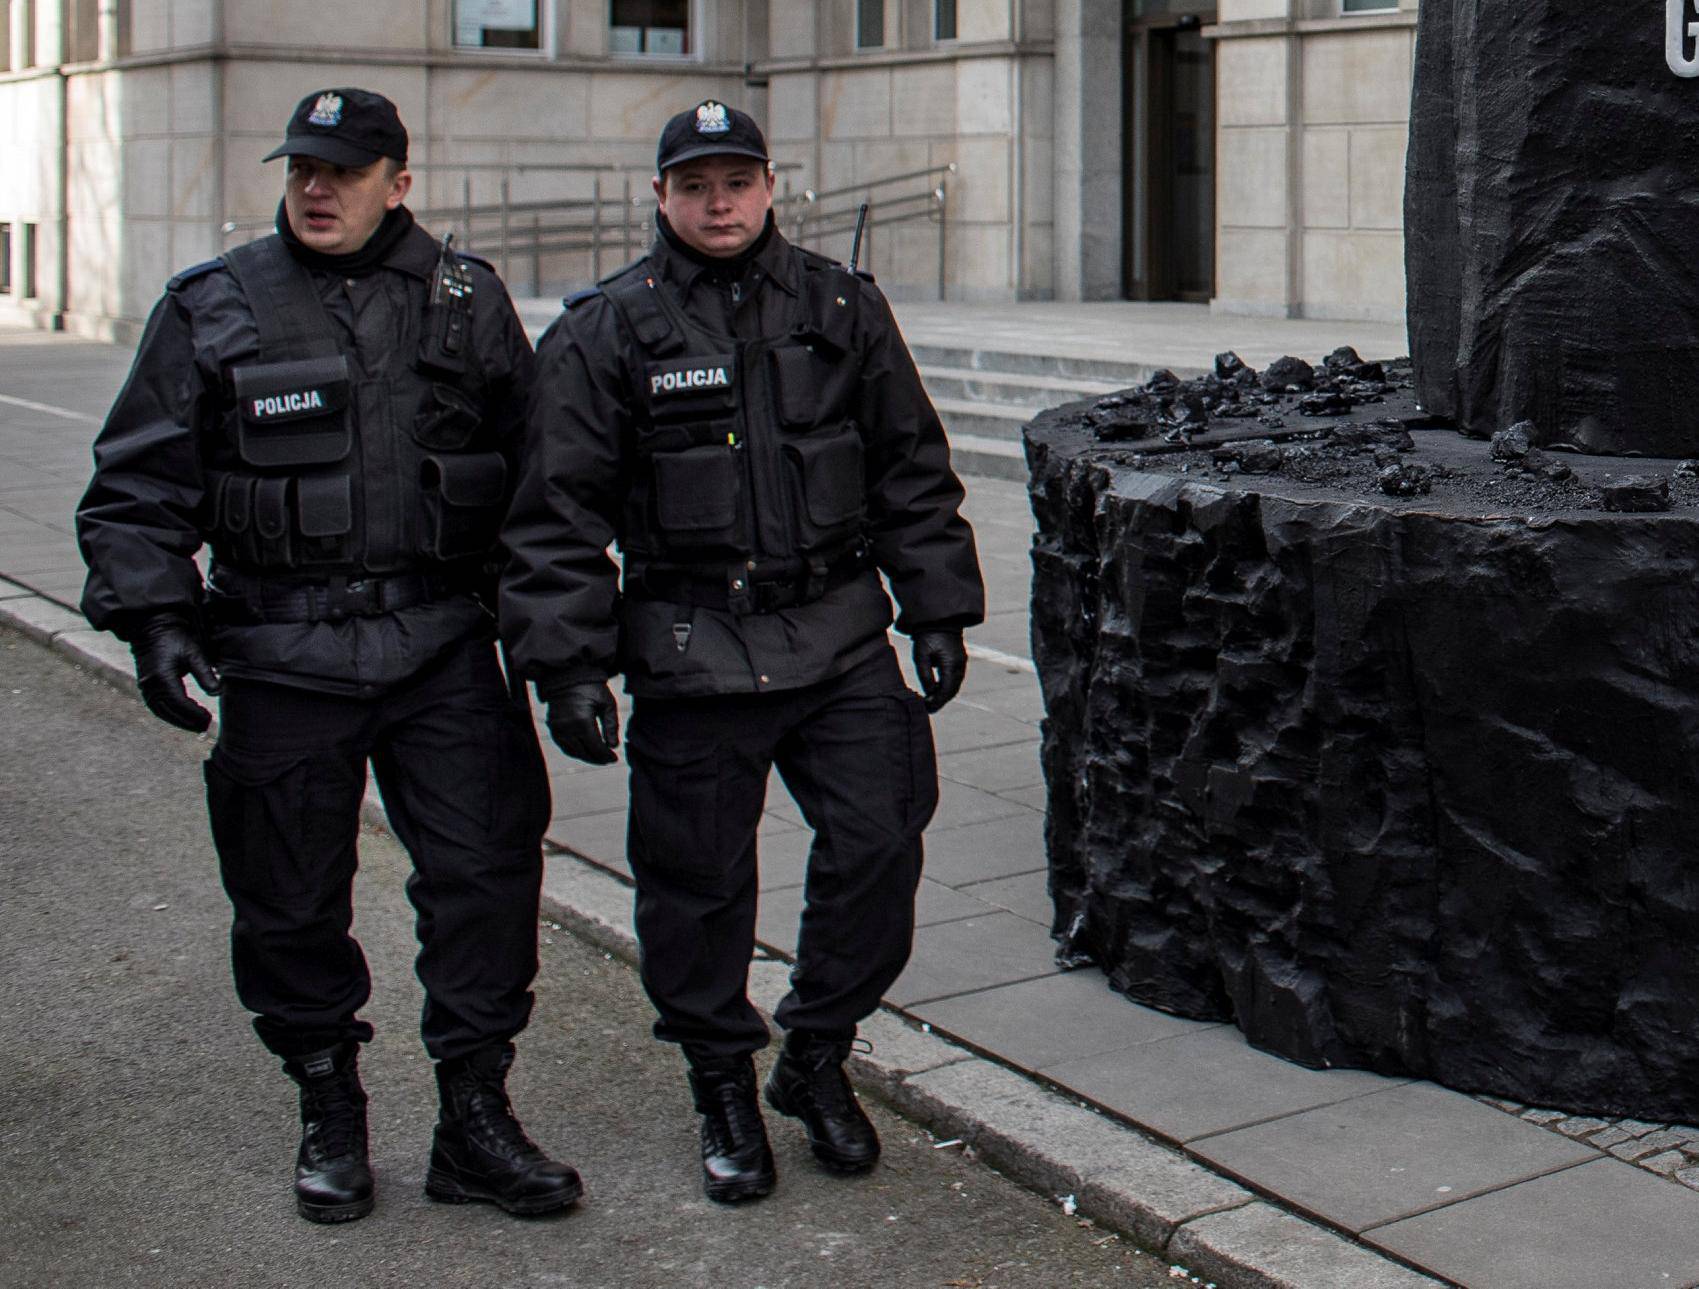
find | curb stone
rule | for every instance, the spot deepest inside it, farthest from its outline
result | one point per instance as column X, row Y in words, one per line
column 1261, row 1247
column 1221, row 1232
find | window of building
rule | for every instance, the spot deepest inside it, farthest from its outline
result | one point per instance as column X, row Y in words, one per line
column 5, row 259
column 497, row 24
column 29, row 261
column 653, row 27
column 943, row 19
column 869, row 24
column 1367, row 6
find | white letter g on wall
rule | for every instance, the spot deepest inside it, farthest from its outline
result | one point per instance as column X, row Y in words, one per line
column 1676, row 32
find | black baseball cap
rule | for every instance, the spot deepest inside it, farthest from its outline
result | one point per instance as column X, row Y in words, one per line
column 710, row 129
column 346, row 127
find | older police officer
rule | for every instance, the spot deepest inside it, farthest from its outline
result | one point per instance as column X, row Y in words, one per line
column 334, row 410
column 743, row 418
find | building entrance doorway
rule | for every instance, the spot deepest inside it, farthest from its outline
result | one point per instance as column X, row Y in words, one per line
column 1169, row 145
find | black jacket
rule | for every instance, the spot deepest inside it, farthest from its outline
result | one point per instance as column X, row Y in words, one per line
column 149, row 507
column 587, row 482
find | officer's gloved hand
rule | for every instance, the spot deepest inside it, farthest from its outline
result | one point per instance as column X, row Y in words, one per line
column 583, row 720
column 166, row 650
column 940, row 660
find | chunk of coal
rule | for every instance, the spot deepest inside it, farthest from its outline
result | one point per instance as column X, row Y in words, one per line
column 1345, row 361
column 1328, row 403
column 1637, row 493
column 1189, row 409
column 1405, row 479
column 1230, row 367
column 1288, row 373
column 1252, row 458
column 1513, row 444
column 1163, row 382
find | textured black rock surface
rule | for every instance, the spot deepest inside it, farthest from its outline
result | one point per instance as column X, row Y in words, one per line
column 1552, row 224
column 1399, row 783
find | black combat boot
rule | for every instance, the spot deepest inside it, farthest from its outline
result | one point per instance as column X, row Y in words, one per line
column 481, row 1153
column 737, row 1162
column 333, row 1179
column 808, row 1083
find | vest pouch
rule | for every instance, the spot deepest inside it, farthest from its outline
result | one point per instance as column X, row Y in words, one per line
column 797, row 376
column 463, row 498
column 267, row 543
column 699, row 497
column 828, row 490
column 324, row 512
column 700, row 387
column 449, row 419
column 294, row 413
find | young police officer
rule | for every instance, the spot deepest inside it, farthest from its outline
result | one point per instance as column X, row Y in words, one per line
column 743, row 418
column 335, row 411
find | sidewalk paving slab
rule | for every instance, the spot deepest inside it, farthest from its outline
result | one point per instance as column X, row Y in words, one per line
column 1206, row 1082
column 1603, row 1225
column 1390, row 1155
column 1050, row 1020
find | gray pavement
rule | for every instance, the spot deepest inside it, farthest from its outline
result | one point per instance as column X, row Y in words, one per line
column 147, row 1140
column 1245, row 1169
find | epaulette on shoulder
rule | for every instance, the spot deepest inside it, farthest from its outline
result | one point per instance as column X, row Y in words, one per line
column 624, row 271
column 816, row 262
column 476, row 259
column 578, row 297
column 192, row 272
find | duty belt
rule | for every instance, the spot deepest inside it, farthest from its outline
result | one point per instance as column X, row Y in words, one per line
column 244, row 598
column 744, row 587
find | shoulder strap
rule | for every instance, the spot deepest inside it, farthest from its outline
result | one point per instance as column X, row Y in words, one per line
column 634, row 296
column 287, row 310
column 192, row 272
column 832, row 297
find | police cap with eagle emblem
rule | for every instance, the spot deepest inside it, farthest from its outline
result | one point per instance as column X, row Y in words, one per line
column 710, row 129
column 346, row 127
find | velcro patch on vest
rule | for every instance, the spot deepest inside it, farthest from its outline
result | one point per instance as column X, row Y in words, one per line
column 698, row 383
column 288, row 404
column 690, row 380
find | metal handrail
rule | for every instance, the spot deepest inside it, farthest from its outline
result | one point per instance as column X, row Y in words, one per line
column 586, row 230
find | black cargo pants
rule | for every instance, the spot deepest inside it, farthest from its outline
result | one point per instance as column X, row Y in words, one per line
column 856, row 752
column 464, row 786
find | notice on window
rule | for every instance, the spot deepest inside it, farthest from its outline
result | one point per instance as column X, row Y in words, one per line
column 495, row 15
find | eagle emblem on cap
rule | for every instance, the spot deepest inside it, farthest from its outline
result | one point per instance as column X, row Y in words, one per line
column 327, row 111
column 711, row 118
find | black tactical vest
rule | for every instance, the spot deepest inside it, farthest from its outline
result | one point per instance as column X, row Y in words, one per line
column 745, row 449
column 337, row 470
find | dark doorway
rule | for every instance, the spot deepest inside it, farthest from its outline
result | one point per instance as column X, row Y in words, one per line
column 1169, row 224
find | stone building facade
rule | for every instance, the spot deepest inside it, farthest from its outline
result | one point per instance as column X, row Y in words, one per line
column 1244, row 152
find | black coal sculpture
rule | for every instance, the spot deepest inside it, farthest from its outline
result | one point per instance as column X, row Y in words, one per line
column 1551, row 220
column 1379, row 740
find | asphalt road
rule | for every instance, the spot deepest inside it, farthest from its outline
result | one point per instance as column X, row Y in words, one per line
column 147, row 1139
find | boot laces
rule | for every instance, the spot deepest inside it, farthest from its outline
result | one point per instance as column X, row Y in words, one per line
column 335, row 1124
column 823, row 1068
column 490, row 1119
column 731, row 1111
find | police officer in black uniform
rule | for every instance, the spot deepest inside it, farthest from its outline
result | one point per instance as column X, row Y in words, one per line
column 743, row 418
column 335, row 410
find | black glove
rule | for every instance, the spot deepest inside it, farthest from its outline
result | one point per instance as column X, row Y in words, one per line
column 166, row 650
column 940, row 660
column 583, row 720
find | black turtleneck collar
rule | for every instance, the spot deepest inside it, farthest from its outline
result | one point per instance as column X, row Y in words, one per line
column 390, row 233
column 718, row 268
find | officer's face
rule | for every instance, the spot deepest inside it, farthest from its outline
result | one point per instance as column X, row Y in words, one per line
column 717, row 205
column 335, row 210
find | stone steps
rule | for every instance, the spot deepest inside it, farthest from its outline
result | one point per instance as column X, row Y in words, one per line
column 985, row 397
